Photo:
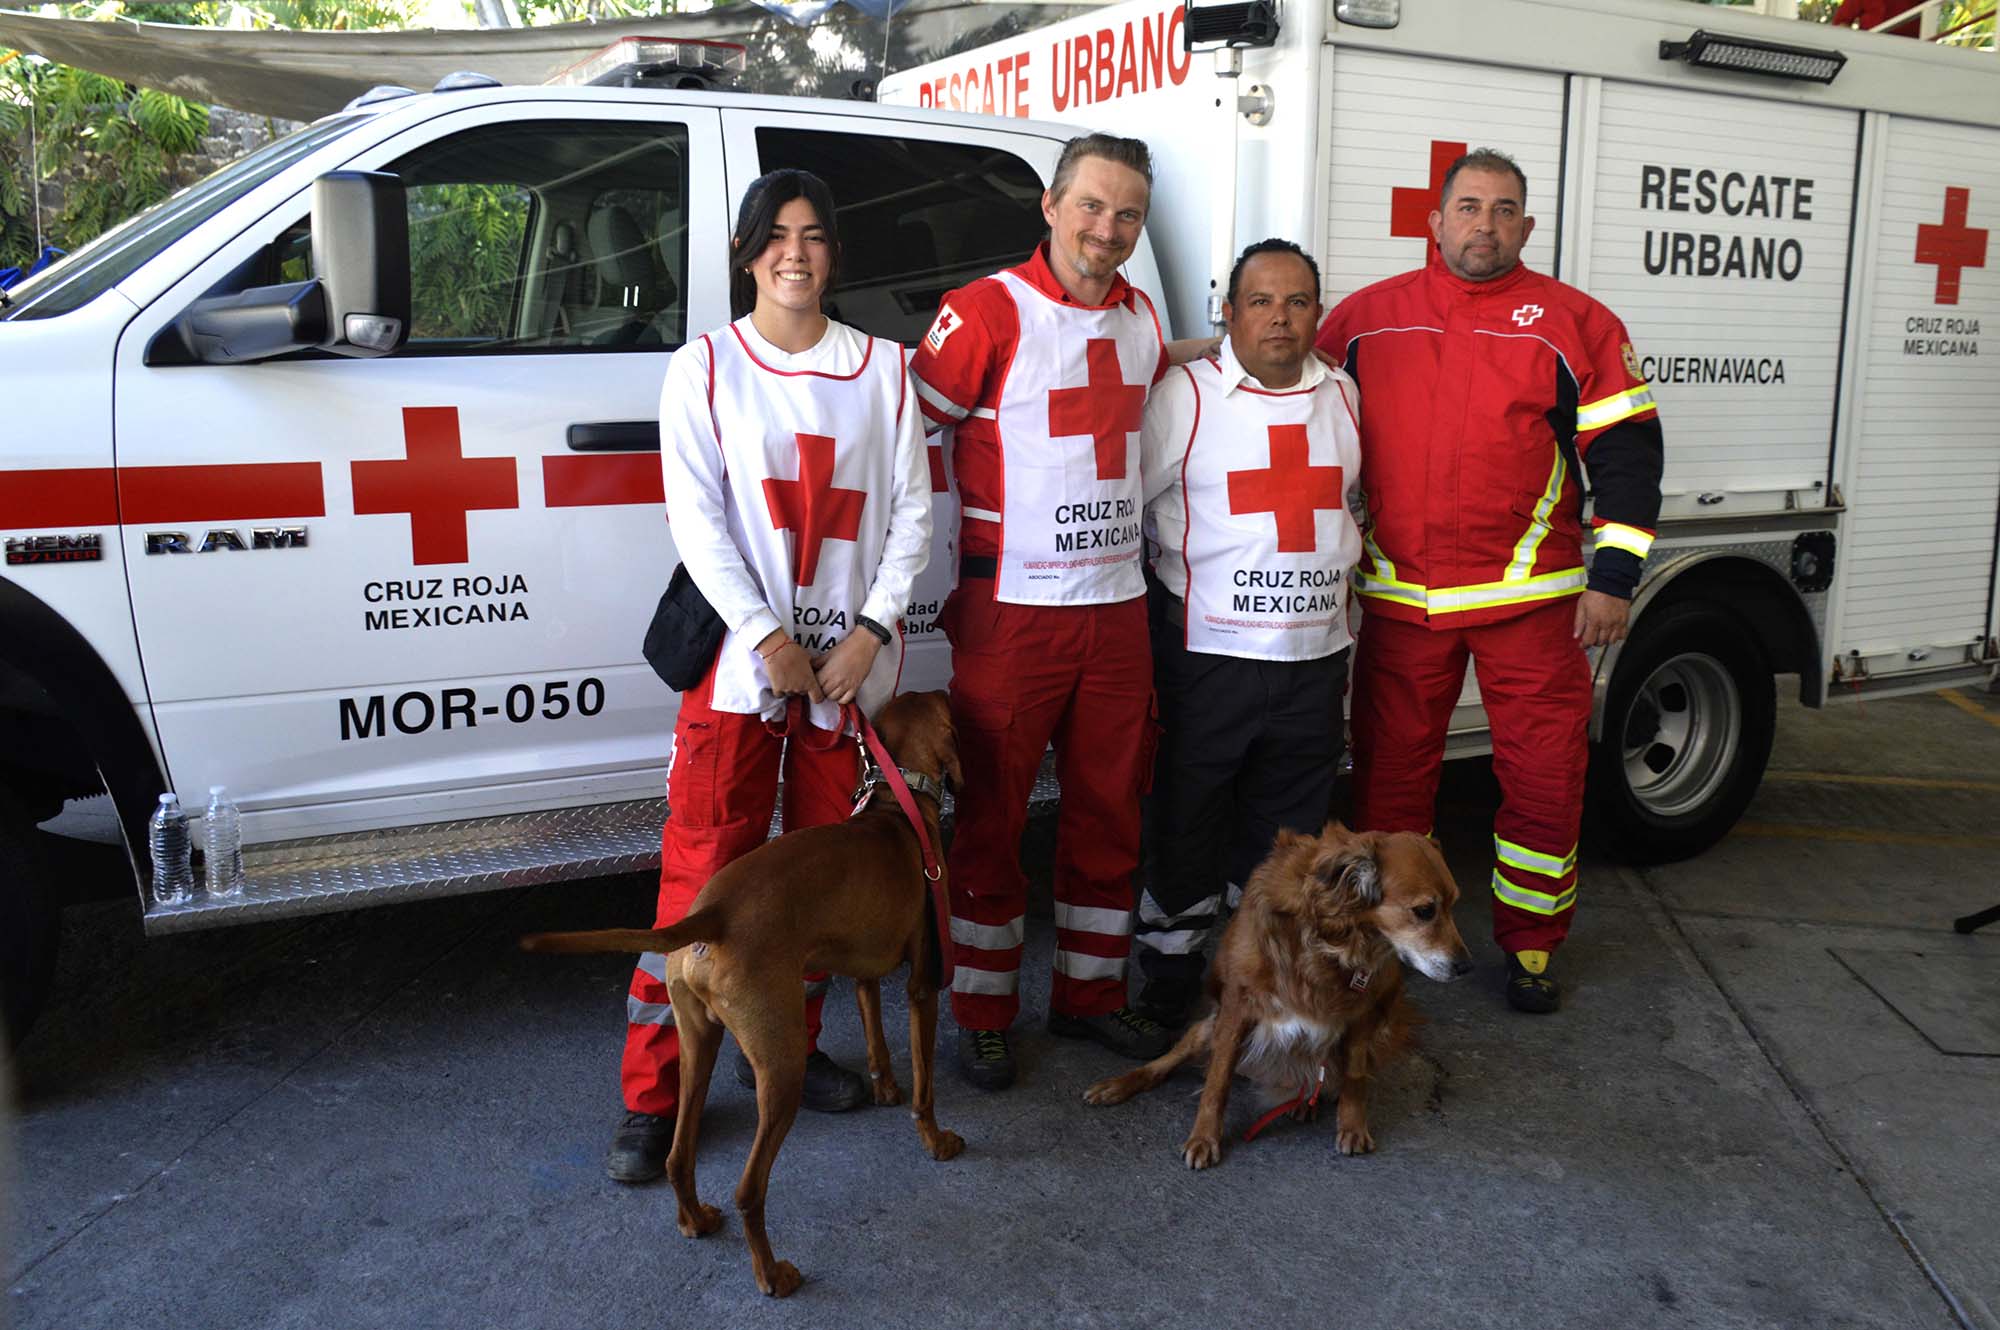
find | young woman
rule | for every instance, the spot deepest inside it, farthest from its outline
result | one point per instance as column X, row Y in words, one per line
column 799, row 497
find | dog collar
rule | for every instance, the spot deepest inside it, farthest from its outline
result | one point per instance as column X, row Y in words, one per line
column 919, row 783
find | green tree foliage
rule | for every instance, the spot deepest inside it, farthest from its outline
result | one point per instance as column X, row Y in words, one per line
column 102, row 150
column 465, row 248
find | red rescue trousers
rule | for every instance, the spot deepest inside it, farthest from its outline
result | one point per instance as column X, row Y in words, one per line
column 1535, row 682
column 1022, row 675
column 721, row 786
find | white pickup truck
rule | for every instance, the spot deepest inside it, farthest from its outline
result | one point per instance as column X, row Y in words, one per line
column 333, row 479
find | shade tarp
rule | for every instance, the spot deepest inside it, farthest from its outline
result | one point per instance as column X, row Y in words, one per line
column 304, row 75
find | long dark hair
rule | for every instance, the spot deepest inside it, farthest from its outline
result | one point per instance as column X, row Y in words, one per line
column 759, row 213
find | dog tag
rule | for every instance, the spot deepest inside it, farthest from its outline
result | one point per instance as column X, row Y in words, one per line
column 863, row 795
column 1359, row 983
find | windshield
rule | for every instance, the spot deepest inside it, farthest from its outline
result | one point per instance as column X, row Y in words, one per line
column 121, row 251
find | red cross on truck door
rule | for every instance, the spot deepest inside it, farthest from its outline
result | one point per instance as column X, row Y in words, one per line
column 1951, row 244
column 436, row 484
column 1106, row 408
column 811, row 508
column 1291, row 489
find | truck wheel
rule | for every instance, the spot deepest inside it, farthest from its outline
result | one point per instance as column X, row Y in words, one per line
column 28, row 919
column 1687, row 730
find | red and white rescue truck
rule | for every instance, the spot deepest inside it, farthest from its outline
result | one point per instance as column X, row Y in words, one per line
column 333, row 479
column 1800, row 226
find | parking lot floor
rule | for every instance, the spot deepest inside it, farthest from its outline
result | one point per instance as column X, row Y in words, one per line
column 1768, row 1101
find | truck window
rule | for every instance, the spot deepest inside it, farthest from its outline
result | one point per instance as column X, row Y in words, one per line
column 554, row 236
column 917, row 218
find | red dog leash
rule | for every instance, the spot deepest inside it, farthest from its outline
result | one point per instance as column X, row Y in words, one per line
column 885, row 763
column 876, row 754
column 1289, row 1105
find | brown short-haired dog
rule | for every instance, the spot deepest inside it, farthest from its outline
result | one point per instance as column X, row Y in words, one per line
column 1307, row 977
column 847, row 898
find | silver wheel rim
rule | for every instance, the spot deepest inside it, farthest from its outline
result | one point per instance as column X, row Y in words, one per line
column 1681, row 734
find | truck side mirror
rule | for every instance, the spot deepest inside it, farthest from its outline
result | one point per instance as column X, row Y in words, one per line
column 359, row 305
column 250, row 325
column 361, row 251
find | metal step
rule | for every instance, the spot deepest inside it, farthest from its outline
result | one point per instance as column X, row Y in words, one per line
column 317, row 874
column 321, row 873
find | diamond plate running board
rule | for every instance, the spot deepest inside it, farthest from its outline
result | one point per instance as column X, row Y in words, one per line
column 319, row 874
column 322, row 873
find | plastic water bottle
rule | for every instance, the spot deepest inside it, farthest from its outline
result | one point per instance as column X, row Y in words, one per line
column 222, row 844
column 167, row 837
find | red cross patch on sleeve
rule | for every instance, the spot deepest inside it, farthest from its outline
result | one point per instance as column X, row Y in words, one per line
column 942, row 327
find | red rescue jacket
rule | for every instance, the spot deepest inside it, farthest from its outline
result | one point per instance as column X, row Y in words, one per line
column 1483, row 401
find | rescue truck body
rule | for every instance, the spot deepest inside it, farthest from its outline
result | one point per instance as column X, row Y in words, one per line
column 391, row 596
column 1808, row 269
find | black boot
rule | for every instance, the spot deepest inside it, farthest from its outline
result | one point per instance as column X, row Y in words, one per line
column 639, row 1147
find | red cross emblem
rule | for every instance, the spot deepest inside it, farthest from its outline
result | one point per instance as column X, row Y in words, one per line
column 812, row 507
column 1291, row 489
column 1527, row 314
column 1410, row 209
column 435, row 483
column 1951, row 244
column 1106, row 408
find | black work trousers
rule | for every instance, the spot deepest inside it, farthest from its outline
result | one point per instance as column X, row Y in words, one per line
column 1250, row 746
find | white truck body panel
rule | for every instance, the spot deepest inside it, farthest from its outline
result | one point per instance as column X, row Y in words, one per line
column 347, row 670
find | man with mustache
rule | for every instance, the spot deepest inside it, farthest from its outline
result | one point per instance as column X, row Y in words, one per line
column 1491, row 391
column 1251, row 458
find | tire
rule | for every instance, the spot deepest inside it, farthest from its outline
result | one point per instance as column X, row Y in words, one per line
column 28, row 920
column 1687, row 729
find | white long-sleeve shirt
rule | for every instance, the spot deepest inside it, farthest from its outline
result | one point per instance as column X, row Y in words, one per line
column 798, row 492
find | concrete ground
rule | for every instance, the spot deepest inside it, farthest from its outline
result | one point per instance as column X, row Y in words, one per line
column 1768, row 1102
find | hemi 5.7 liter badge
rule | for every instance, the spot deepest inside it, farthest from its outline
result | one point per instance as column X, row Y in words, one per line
column 86, row 548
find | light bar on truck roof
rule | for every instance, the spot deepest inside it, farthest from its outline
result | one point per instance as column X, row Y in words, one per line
column 633, row 62
column 1747, row 55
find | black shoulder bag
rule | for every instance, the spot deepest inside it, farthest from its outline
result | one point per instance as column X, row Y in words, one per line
column 682, row 639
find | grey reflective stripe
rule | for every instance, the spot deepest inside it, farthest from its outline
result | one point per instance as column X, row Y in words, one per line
column 1178, row 943
column 1077, row 965
column 654, row 963
column 965, row 979
column 1151, row 913
column 647, row 1013
column 988, row 937
column 816, row 988
column 1094, row 919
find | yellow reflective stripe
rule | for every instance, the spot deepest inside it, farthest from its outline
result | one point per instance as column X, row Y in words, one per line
column 1485, row 595
column 1383, row 568
column 1610, row 410
column 1618, row 536
column 1488, row 594
column 1382, row 583
column 1535, row 902
column 1523, row 561
column 1533, row 861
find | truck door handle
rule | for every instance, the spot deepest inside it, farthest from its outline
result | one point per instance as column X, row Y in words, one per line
column 615, row 436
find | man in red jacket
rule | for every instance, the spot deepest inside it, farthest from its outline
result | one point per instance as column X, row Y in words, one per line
column 1490, row 388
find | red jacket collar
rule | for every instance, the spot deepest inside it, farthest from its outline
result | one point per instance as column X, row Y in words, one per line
column 1037, row 273
column 1445, row 281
